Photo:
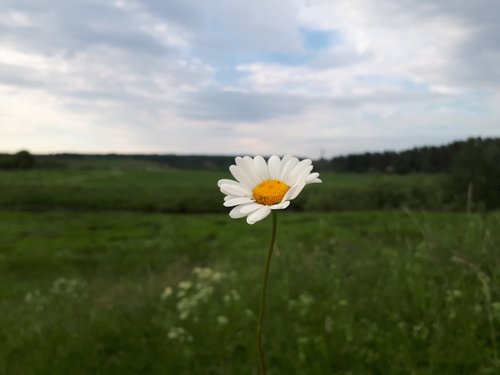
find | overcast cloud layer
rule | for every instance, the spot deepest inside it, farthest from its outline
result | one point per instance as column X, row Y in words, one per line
column 237, row 77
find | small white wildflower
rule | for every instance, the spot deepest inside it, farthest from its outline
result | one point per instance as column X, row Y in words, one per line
column 235, row 295
column 186, row 305
column 178, row 333
column 70, row 287
column 217, row 276
column 172, row 334
column 167, row 292
column 306, row 299
column 203, row 273
column 204, row 293
column 185, row 285
column 222, row 320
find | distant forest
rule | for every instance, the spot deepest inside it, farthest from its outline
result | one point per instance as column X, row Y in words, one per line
column 471, row 167
column 427, row 159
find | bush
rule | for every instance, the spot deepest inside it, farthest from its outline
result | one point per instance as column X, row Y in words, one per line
column 21, row 160
column 474, row 181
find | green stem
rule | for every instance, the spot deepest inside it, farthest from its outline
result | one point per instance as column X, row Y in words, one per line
column 263, row 296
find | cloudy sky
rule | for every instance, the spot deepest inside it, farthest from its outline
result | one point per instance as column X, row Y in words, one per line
column 237, row 77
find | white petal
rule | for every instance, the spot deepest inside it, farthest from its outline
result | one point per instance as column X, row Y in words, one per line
column 234, row 183
column 274, row 165
column 261, row 168
column 302, row 177
column 250, row 207
column 294, row 191
column 288, row 167
column 225, row 181
column 297, row 171
column 258, row 215
column 237, row 201
column 247, row 166
column 312, row 177
column 315, row 181
column 280, row 206
column 236, row 212
column 235, row 190
column 242, row 176
column 249, row 162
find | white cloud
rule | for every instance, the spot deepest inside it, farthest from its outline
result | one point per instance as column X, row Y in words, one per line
column 235, row 76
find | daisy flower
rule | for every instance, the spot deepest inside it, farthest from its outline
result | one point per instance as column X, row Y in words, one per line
column 261, row 187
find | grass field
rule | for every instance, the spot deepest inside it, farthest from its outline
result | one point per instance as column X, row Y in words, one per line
column 91, row 282
column 350, row 293
column 155, row 189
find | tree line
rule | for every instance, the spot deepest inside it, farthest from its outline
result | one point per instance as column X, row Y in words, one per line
column 471, row 167
column 20, row 160
column 426, row 159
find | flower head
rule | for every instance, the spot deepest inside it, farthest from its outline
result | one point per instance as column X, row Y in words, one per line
column 261, row 187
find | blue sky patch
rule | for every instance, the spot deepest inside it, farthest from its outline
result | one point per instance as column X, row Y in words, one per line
column 317, row 40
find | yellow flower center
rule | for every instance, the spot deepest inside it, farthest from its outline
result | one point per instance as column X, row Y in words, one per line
column 270, row 192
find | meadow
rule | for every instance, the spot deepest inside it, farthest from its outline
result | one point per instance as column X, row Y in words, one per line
column 141, row 271
column 149, row 188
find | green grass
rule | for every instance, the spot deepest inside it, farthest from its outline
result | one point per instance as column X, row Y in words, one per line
column 156, row 189
column 350, row 293
column 129, row 268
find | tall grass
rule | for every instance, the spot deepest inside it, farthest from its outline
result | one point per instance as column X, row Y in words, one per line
column 351, row 293
column 183, row 191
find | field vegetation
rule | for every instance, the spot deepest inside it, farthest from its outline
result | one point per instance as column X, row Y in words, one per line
column 351, row 293
column 129, row 267
column 159, row 189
